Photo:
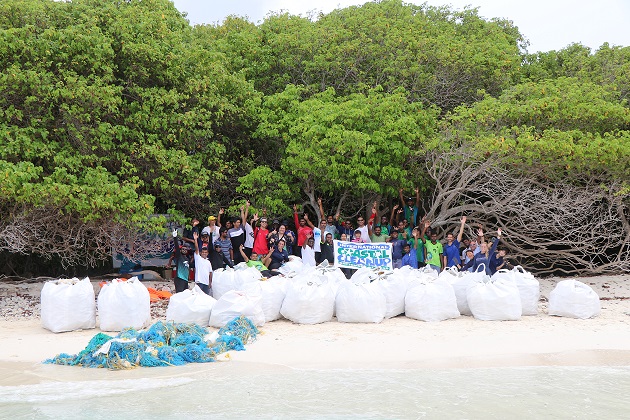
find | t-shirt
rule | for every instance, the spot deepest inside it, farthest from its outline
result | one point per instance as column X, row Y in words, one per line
column 419, row 249
column 434, row 253
column 410, row 259
column 377, row 239
column 257, row 265
column 203, row 268
column 397, row 248
column 249, row 236
column 212, row 231
column 308, row 256
column 451, row 252
column 260, row 241
column 225, row 245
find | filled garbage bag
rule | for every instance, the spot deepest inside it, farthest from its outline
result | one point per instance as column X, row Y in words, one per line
column 68, row 305
column 574, row 299
column 310, row 299
column 124, row 304
column 528, row 287
column 235, row 303
column 362, row 302
column 273, row 291
column 192, row 306
column 431, row 301
column 227, row 279
column 497, row 300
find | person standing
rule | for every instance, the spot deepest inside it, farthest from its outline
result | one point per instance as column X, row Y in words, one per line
column 432, row 248
column 451, row 249
column 203, row 267
column 182, row 265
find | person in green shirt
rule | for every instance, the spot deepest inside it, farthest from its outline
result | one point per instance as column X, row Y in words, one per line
column 417, row 244
column 262, row 265
column 433, row 249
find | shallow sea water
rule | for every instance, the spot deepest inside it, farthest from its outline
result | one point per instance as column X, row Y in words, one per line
column 242, row 391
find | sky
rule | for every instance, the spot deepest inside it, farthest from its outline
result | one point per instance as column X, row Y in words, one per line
column 546, row 24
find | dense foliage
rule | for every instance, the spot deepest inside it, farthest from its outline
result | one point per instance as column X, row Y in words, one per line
column 114, row 110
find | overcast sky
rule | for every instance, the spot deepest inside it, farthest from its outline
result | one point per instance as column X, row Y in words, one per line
column 547, row 24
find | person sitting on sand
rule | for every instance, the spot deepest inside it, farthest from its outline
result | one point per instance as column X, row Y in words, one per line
column 260, row 264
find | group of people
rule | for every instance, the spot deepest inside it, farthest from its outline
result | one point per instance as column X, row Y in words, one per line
column 266, row 246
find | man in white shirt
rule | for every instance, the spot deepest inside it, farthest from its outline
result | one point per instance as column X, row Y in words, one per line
column 203, row 267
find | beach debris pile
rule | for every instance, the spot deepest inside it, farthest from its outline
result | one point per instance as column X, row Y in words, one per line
column 163, row 344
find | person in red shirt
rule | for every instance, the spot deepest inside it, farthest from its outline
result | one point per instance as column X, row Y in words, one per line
column 261, row 234
column 303, row 230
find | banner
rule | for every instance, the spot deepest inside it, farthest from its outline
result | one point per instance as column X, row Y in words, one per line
column 356, row 255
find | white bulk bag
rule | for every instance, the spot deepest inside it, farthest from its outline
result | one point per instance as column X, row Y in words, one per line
column 364, row 275
column 190, row 307
column 528, row 287
column 394, row 288
column 495, row 300
column 123, row 304
column 236, row 303
column 431, row 301
column 574, row 299
column 227, row 279
column 273, row 292
column 68, row 305
column 461, row 282
column 360, row 303
column 292, row 267
column 310, row 299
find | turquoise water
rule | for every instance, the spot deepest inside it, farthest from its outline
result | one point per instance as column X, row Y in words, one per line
column 241, row 390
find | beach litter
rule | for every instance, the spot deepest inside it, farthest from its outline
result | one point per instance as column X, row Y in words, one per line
column 163, row 344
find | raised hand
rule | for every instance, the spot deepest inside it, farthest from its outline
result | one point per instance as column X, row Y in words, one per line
column 295, row 208
column 255, row 217
column 417, row 190
column 248, row 203
column 195, row 222
column 195, row 236
column 499, row 231
column 319, row 201
column 463, row 219
column 175, row 233
column 221, row 211
column 305, row 216
column 479, row 232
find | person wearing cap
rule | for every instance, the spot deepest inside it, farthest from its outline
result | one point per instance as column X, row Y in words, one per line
column 203, row 267
column 212, row 229
column 411, row 210
column 182, row 265
column 217, row 257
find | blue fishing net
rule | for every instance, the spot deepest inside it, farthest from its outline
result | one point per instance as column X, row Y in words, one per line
column 163, row 344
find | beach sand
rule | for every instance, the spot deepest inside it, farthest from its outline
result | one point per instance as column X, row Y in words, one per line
column 397, row 343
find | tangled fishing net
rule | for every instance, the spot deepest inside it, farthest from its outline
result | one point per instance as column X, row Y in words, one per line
column 163, row 344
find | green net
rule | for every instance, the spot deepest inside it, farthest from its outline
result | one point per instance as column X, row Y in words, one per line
column 163, row 344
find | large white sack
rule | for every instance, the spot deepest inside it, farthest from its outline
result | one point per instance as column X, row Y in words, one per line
column 236, row 303
column 431, row 301
column 495, row 300
column 574, row 299
column 360, row 303
column 310, row 299
column 292, row 267
column 528, row 287
column 394, row 288
column 227, row 279
column 68, row 305
column 461, row 281
column 190, row 307
column 364, row 275
column 273, row 292
column 123, row 304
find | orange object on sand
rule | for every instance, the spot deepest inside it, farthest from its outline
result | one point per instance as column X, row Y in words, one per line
column 156, row 295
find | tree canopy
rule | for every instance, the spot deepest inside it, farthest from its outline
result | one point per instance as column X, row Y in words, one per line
column 113, row 111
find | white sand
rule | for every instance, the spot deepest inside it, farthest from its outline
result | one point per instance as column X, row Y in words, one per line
column 395, row 343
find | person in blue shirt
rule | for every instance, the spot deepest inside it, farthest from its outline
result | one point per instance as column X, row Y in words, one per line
column 451, row 256
column 484, row 256
column 410, row 257
column 397, row 248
